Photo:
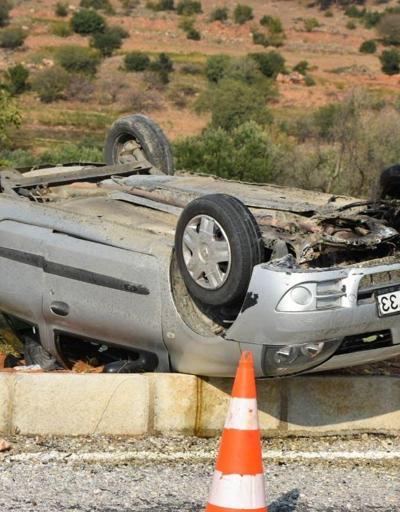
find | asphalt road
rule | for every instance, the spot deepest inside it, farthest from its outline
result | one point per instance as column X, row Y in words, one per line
column 42, row 477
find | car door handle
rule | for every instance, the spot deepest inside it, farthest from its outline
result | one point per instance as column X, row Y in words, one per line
column 59, row 308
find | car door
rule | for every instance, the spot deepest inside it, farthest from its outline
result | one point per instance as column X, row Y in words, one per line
column 21, row 270
column 104, row 293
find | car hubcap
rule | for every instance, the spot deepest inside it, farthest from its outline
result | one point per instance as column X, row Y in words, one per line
column 206, row 252
column 129, row 151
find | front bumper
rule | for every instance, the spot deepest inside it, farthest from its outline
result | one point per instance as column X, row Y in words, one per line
column 269, row 320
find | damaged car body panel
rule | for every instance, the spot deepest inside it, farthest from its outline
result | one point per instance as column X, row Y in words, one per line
column 89, row 257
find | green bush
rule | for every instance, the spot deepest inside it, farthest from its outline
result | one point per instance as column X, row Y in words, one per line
column 219, row 14
column 270, row 63
column 5, row 8
column 193, row 34
column 161, row 5
column 17, row 79
column 10, row 116
column 136, row 61
column 350, row 25
column 232, row 103
column 77, row 59
column 87, row 21
column 372, row 18
column 108, row 41
column 242, row 13
column 50, row 84
column 273, row 24
column 368, row 46
column 61, row 9
column 188, row 7
column 103, row 5
column 328, row 14
column 302, row 67
column 216, row 67
column 389, row 28
column 129, row 5
column 260, row 38
column 309, row 81
column 163, row 66
column 247, row 153
column 390, row 61
column 61, row 29
column 12, row 37
column 310, row 24
column 353, row 12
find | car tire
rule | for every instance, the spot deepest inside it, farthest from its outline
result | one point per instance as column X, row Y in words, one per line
column 389, row 183
column 217, row 244
column 135, row 137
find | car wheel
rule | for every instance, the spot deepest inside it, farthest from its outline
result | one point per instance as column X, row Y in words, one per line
column 217, row 244
column 389, row 183
column 137, row 137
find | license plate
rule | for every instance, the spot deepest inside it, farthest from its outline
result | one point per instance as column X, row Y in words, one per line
column 388, row 303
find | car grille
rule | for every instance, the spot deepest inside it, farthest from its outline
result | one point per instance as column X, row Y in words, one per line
column 372, row 283
column 365, row 341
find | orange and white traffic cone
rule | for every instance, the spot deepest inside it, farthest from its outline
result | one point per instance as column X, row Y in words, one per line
column 238, row 483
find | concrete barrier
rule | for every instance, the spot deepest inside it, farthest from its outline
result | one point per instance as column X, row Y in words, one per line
column 165, row 404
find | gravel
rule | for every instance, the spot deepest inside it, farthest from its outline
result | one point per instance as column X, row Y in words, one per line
column 38, row 485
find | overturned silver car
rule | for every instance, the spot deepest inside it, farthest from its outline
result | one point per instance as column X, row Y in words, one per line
column 130, row 262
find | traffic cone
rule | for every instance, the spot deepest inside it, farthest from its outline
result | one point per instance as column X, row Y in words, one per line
column 238, row 483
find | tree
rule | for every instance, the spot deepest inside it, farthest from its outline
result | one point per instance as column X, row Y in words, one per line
column 246, row 153
column 233, row 102
column 87, row 21
column 163, row 66
column 389, row 28
column 242, row 13
column 9, row 115
column 390, row 60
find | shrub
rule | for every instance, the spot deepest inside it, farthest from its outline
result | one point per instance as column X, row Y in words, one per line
column 270, row 63
column 79, row 87
column 216, row 67
column 9, row 115
column 302, row 67
column 368, row 46
column 108, row 41
column 136, row 61
column 161, row 5
column 163, row 66
column 389, row 28
column 372, row 18
column 260, row 38
column 246, row 153
column 193, row 34
column 273, row 24
column 219, row 14
column 129, row 5
column 5, row 8
column 50, row 83
column 78, row 60
column 328, row 14
column 310, row 24
column 97, row 5
column 61, row 9
column 17, row 78
column 390, row 61
column 309, row 81
column 350, row 25
column 12, row 37
column 233, row 102
column 189, row 7
column 86, row 21
column 61, row 29
column 242, row 13
column 353, row 12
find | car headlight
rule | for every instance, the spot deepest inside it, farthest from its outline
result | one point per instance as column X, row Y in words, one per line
column 313, row 296
column 289, row 359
